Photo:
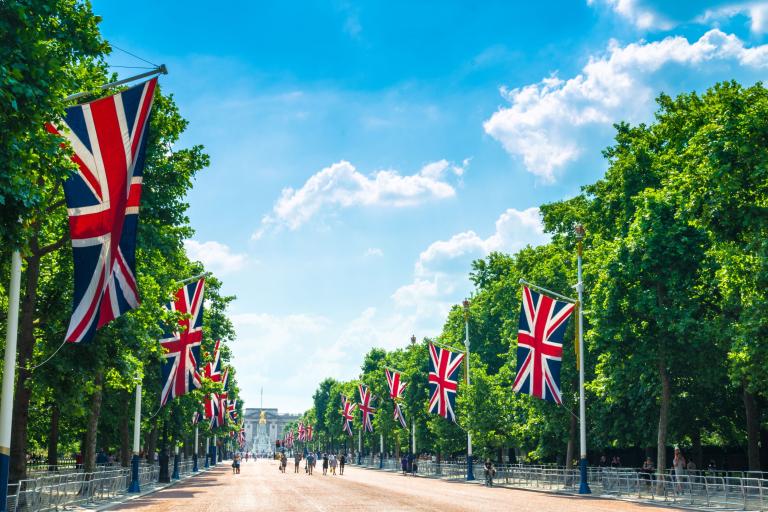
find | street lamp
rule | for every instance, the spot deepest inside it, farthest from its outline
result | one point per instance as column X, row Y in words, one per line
column 413, row 339
column 470, row 467
column 580, row 233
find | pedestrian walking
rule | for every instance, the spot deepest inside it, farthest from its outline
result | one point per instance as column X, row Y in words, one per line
column 342, row 462
column 325, row 464
column 404, row 463
column 236, row 464
column 310, row 463
column 296, row 461
column 490, row 472
column 679, row 464
column 332, row 463
column 283, row 462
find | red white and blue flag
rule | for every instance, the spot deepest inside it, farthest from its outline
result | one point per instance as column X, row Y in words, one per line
column 223, row 397
column 109, row 139
column 396, row 386
column 540, row 345
column 443, row 380
column 308, row 433
column 366, row 407
column 399, row 416
column 302, row 432
column 212, row 371
column 347, row 409
column 182, row 345
column 241, row 436
column 232, row 411
column 196, row 417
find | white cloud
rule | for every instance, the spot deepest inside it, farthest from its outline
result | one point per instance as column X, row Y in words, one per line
column 217, row 257
column 757, row 12
column 543, row 122
column 342, row 186
column 440, row 273
column 638, row 15
column 514, row 230
column 374, row 251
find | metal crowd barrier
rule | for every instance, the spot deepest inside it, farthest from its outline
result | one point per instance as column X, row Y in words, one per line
column 713, row 490
column 57, row 490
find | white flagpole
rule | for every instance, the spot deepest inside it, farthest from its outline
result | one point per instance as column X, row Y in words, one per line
column 9, row 375
column 160, row 70
column 134, row 487
column 470, row 465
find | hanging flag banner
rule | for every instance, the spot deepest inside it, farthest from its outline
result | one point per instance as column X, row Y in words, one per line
column 347, row 409
column 543, row 321
column 366, row 407
column 308, row 433
column 302, row 433
column 443, row 383
column 396, row 390
column 182, row 345
column 109, row 139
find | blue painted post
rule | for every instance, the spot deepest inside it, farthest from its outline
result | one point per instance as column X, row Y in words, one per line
column 175, row 475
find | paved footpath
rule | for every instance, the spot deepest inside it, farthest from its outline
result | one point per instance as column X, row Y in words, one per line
column 261, row 486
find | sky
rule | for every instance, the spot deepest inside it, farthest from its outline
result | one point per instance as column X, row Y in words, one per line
column 363, row 154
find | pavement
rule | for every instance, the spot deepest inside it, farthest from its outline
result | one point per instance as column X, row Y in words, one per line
column 261, row 486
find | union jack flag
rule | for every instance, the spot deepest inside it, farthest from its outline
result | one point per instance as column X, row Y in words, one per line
column 396, row 386
column 289, row 439
column 366, row 407
column 346, row 412
column 196, row 417
column 232, row 410
column 540, row 345
column 182, row 346
column 302, row 432
column 308, row 433
column 109, row 139
column 399, row 416
column 223, row 397
column 213, row 411
column 443, row 375
column 241, row 436
column 212, row 371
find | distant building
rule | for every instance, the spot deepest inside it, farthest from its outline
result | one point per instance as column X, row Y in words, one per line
column 274, row 424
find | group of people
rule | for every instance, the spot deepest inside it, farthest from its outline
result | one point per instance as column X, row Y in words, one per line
column 329, row 462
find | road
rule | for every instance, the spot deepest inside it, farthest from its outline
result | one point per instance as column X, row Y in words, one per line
column 261, row 486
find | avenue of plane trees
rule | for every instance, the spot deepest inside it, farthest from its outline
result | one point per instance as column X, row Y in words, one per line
column 81, row 399
column 676, row 308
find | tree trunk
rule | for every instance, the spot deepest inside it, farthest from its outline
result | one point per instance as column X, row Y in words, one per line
column 661, row 444
column 698, row 453
column 569, row 452
column 125, row 440
column 89, row 455
column 53, row 438
column 23, row 392
column 753, row 430
column 152, row 443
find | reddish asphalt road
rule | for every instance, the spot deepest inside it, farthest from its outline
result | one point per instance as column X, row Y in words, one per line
column 261, row 486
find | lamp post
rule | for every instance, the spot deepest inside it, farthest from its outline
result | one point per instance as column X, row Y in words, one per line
column 134, row 487
column 583, row 484
column 470, row 466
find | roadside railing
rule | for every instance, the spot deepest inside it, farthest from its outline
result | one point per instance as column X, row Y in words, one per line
column 713, row 490
column 59, row 489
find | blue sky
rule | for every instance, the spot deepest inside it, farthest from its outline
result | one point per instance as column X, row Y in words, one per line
column 364, row 153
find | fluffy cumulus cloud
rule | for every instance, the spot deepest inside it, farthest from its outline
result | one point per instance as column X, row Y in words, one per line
column 440, row 273
column 217, row 257
column 514, row 230
column 757, row 12
column 544, row 122
column 635, row 13
column 342, row 186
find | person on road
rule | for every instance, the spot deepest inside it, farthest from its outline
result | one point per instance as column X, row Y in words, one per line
column 236, row 464
column 332, row 463
column 325, row 464
column 679, row 464
column 310, row 462
column 296, row 461
column 283, row 462
column 342, row 462
column 490, row 472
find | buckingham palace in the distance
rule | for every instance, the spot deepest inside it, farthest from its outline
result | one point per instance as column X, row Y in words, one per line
column 263, row 427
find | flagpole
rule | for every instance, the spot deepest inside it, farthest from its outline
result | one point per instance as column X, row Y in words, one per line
column 381, row 450
column 548, row 292
column 583, row 484
column 9, row 375
column 134, row 487
column 195, row 469
column 207, row 450
column 190, row 279
column 360, row 447
column 470, row 465
column 159, row 70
